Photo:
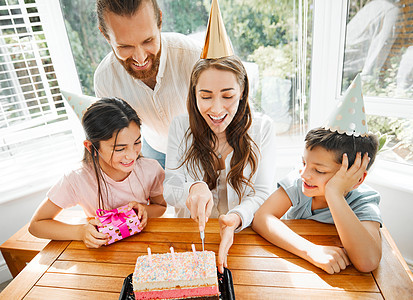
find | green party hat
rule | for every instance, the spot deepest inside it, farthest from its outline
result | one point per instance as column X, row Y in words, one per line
column 79, row 103
column 349, row 117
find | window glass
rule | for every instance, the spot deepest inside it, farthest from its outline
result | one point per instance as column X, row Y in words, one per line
column 399, row 137
column 271, row 37
column 35, row 132
column 379, row 44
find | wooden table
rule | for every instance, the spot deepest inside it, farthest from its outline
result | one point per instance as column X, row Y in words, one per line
column 68, row 270
column 22, row 247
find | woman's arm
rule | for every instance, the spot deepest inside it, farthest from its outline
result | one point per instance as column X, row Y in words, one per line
column 242, row 215
column 43, row 225
column 176, row 183
column 180, row 189
column 264, row 179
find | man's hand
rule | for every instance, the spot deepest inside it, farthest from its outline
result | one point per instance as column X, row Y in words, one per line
column 227, row 225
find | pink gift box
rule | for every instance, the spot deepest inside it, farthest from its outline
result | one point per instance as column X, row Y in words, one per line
column 119, row 223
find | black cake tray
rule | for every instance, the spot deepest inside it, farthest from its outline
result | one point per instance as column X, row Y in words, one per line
column 226, row 287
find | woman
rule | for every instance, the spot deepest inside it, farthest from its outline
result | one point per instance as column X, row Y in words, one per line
column 220, row 159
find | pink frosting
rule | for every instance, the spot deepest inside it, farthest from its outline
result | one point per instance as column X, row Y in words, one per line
column 178, row 293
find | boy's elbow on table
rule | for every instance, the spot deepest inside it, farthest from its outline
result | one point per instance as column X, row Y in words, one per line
column 369, row 264
column 259, row 220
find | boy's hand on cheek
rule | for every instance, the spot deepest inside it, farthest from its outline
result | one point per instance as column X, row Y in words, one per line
column 347, row 178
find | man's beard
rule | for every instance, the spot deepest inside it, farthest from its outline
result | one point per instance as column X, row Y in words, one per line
column 144, row 74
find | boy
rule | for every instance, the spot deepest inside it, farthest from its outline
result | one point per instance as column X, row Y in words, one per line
column 330, row 189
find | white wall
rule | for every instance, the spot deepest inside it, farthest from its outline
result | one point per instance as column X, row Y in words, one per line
column 397, row 211
column 14, row 215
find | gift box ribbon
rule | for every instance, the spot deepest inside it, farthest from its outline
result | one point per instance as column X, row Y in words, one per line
column 115, row 218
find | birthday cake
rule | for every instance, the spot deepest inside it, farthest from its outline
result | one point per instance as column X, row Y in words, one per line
column 181, row 275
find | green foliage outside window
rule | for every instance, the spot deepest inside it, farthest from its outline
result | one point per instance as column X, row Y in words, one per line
column 261, row 31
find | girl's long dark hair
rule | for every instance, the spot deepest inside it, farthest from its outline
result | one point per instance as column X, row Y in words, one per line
column 200, row 154
column 101, row 121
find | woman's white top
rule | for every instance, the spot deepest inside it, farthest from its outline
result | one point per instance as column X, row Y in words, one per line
column 179, row 180
column 220, row 193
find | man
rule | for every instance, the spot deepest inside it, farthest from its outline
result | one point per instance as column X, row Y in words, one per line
column 149, row 70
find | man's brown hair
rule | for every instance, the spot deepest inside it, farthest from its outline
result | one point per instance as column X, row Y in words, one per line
column 123, row 8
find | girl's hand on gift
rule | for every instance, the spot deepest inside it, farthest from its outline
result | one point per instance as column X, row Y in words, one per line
column 227, row 225
column 141, row 213
column 91, row 236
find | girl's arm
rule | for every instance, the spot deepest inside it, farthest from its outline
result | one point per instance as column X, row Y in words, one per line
column 268, row 224
column 362, row 240
column 157, row 206
column 43, row 225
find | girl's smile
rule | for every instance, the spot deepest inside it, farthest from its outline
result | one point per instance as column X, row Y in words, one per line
column 117, row 156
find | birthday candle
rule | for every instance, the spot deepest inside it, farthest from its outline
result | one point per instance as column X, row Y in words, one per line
column 173, row 254
column 195, row 255
column 150, row 256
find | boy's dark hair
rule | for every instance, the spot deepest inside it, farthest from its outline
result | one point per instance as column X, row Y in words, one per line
column 123, row 8
column 343, row 143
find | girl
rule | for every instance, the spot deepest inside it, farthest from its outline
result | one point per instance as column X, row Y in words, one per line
column 220, row 158
column 112, row 174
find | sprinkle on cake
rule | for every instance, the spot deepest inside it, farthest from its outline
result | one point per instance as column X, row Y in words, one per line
column 176, row 276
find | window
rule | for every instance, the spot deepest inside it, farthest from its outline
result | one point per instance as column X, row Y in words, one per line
column 273, row 38
column 36, row 136
column 374, row 38
column 379, row 44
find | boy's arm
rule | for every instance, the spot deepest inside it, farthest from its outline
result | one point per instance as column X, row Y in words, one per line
column 361, row 240
column 268, row 225
column 43, row 225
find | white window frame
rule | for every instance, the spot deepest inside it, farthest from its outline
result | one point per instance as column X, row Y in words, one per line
column 65, row 70
column 329, row 31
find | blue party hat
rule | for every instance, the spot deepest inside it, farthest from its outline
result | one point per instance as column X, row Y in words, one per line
column 79, row 103
column 349, row 117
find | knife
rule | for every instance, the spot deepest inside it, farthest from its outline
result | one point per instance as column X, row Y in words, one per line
column 202, row 233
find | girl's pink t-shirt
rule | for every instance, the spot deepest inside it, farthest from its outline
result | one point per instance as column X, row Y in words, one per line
column 79, row 187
